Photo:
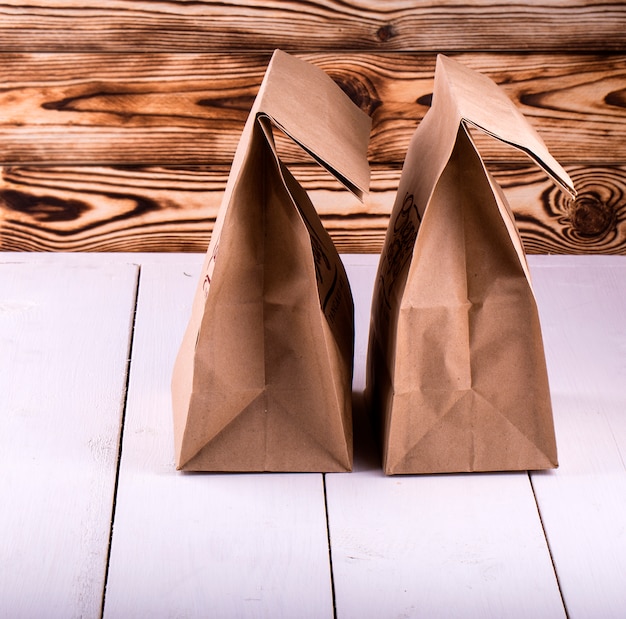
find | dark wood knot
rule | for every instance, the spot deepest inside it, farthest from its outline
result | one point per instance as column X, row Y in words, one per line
column 42, row 208
column 425, row 100
column 363, row 93
column 386, row 32
column 591, row 216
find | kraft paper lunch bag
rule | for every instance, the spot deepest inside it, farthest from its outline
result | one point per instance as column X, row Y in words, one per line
column 263, row 377
column 456, row 375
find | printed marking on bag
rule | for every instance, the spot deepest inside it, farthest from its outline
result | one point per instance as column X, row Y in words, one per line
column 319, row 256
column 206, row 282
column 405, row 228
column 336, row 292
column 331, row 283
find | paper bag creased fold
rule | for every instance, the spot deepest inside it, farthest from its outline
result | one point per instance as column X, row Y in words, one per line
column 457, row 378
column 262, row 381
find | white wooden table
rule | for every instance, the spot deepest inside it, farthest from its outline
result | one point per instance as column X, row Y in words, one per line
column 94, row 520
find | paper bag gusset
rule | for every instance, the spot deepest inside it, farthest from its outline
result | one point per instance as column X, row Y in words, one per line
column 262, row 381
column 457, row 378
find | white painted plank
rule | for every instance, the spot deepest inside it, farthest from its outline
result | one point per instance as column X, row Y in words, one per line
column 433, row 546
column 583, row 503
column 447, row 546
column 204, row 545
column 64, row 338
column 98, row 258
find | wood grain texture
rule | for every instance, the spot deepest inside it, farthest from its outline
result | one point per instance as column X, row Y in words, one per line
column 173, row 209
column 90, row 209
column 64, row 345
column 189, row 109
column 162, row 89
column 57, row 25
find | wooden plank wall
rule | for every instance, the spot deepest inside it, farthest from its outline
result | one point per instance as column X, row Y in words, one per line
column 119, row 120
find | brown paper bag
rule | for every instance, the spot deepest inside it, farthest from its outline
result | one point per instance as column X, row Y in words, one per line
column 262, row 381
column 456, row 366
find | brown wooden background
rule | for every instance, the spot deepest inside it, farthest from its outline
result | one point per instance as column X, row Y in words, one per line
column 119, row 120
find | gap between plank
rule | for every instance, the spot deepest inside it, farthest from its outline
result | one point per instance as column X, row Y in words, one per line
column 330, row 553
column 121, row 436
column 545, row 536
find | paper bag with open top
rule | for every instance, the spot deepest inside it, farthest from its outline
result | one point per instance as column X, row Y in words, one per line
column 457, row 378
column 263, row 378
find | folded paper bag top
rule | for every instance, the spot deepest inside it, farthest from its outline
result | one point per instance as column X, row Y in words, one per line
column 263, row 377
column 457, row 379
